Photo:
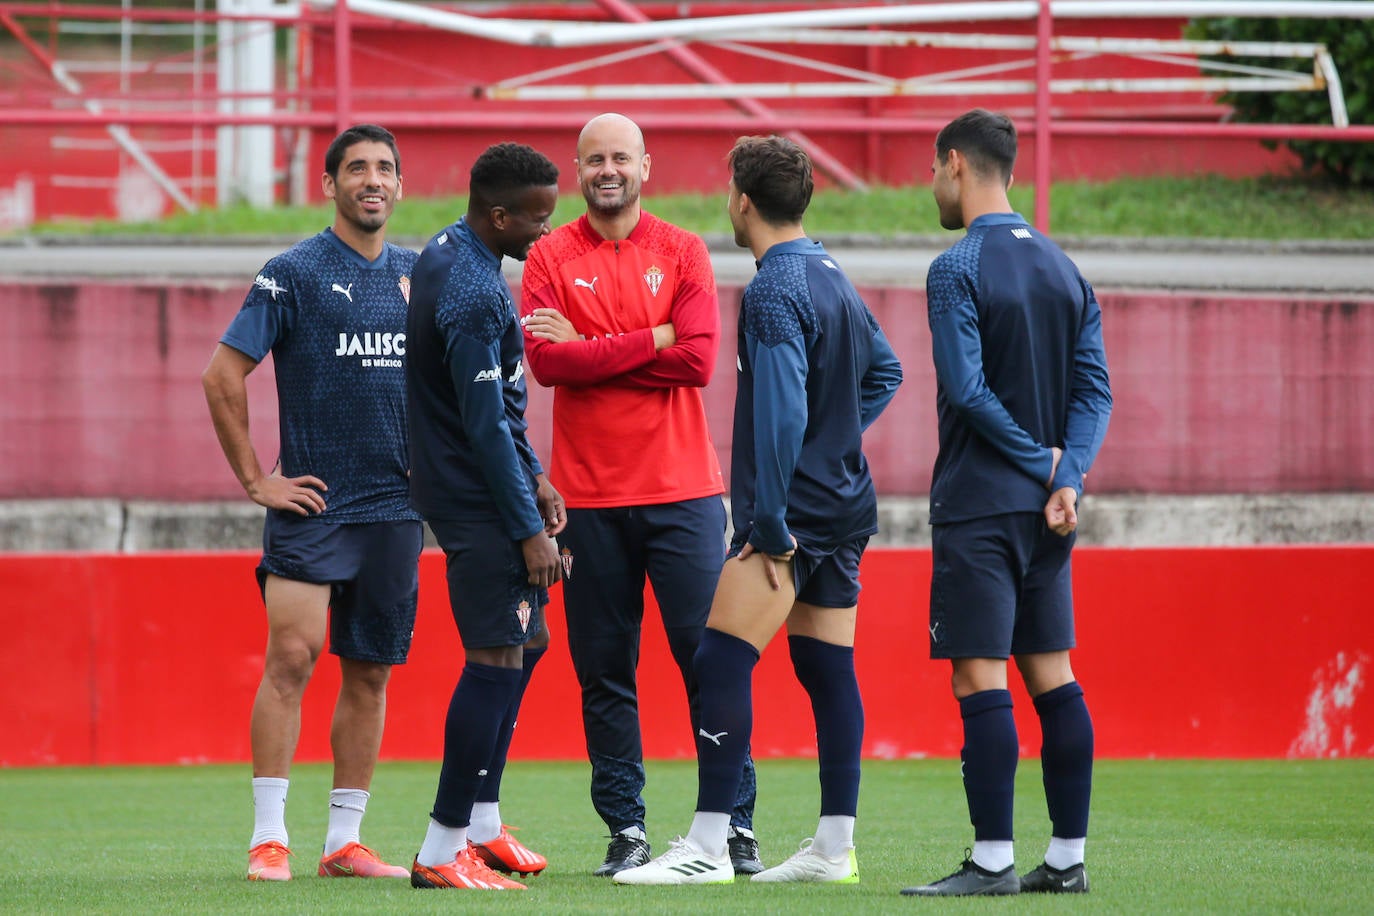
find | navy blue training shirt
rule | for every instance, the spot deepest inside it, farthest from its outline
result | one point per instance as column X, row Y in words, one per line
column 1016, row 334
column 814, row 371
column 335, row 325
column 466, row 394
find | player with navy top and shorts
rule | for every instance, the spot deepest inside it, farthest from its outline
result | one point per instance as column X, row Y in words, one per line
column 340, row 542
column 477, row 482
column 1023, row 399
column 815, row 370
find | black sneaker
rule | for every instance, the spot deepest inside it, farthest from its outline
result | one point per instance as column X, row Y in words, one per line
column 744, row 852
column 1045, row 880
column 624, row 852
column 970, row 880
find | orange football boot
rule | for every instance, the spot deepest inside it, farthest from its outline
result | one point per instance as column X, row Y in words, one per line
column 267, row 862
column 465, row 871
column 354, row 860
column 509, row 855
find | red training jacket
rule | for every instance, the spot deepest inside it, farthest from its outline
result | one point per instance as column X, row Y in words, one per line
column 629, row 427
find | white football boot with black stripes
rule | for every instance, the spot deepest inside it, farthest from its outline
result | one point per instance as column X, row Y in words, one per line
column 683, row 863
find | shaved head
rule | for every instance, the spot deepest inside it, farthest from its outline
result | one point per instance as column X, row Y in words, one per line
column 612, row 168
column 611, row 126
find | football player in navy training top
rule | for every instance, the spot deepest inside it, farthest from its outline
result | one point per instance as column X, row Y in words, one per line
column 815, row 370
column 1022, row 399
column 477, row 482
column 340, row 543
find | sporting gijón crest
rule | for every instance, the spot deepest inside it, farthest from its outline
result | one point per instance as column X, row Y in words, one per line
column 653, row 278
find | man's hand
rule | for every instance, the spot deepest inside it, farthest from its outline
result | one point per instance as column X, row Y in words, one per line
column 551, row 325
column 1061, row 512
column 770, row 561
column 665, row 335
column 541, row 559
column 551, row 507
column 292, row 494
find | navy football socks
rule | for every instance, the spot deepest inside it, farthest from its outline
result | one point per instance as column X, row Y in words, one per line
column 724, row 668
column 989, row 754
column 1066, row 758
column 490, row 790
column 826, row 671
column 475, row 713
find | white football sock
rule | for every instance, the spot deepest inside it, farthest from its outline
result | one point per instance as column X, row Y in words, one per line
column 709, row 829
column 1064, row 853
column 269, row 810
column 486, row 822
column 993, row 855
column 834, row 836
column 346, row 810
column 442, row 844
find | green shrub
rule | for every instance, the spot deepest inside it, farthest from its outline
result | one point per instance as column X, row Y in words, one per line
column 1351, row 43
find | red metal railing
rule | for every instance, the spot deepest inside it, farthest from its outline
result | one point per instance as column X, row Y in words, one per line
column 437, row 107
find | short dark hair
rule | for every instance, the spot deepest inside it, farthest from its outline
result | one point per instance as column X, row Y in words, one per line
column 986, row 139
column 776, row 174
column 333, row 157
column 505, row 170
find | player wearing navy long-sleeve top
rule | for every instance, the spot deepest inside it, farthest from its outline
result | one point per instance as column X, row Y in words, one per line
column 1023, row 399
column 797, row 466
column 340, row 542
column 814, row 371
column 477, row 482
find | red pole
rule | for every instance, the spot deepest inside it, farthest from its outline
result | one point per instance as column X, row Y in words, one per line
column 1044, row 33
column 343, row 68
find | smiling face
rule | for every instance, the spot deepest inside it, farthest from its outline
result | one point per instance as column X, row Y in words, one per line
column 611, row 164
column 366, row 187
column 527, row 222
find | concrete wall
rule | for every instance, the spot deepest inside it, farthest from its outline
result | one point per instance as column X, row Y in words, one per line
column 112, row 526
column 1231, row 394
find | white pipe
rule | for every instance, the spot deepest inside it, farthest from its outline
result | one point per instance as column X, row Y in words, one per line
column 921, row 87
column 749, row 25
column 1327, row 68
column 1195, row 9
column 510, row 31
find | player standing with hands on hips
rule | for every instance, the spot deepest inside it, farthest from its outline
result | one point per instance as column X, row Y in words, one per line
column 479, row 485
column 621, row 319
column 815, row 370
column 340, row 542
column 1023, row 399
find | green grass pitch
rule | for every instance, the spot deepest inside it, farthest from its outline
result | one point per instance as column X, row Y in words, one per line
column 1166, row 837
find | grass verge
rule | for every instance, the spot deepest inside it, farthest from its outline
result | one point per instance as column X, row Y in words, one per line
column 1201, row 207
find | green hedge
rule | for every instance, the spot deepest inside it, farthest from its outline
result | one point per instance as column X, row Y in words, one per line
column 1351, row 43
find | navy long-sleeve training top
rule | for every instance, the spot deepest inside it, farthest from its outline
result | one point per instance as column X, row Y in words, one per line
column 1016, row 334
column 465, row 390
column 814, row 371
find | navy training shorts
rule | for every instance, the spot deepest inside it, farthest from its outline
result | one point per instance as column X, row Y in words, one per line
column 1000, row 586
column 373, row 572
column 824, row 575
column 489, row 592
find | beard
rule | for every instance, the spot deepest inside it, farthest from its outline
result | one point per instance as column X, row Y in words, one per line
column 612, row 207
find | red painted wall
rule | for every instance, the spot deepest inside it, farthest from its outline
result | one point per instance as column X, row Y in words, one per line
column 1223, row 652
column 1216, row 394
